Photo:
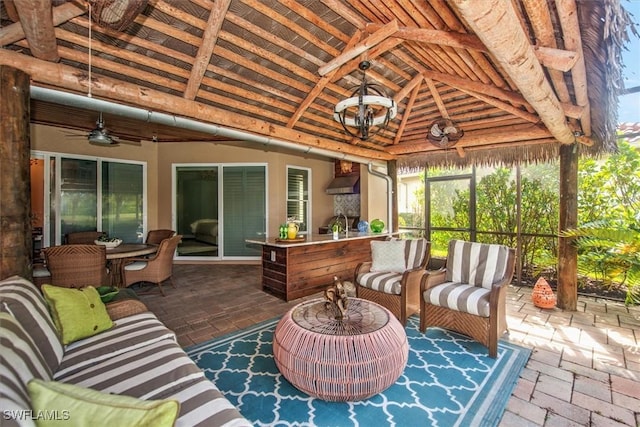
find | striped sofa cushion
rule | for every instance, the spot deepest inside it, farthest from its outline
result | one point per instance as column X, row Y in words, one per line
column 160, row 370
column 473, row 263
column 416, row 250
column 381, row 281
column 20, row 361
column 465, row 298
column 23, row 300
column 129, row 333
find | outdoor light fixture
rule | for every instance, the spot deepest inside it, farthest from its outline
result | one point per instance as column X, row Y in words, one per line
column 368, row 111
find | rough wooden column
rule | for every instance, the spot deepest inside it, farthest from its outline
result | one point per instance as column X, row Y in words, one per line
column 15, row 182
column 392, row 171
column 567, row 252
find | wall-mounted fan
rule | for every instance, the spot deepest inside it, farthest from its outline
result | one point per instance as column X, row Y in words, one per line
column 444, row 133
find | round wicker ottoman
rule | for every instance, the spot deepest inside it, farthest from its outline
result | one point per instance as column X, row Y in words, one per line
column 340, row 360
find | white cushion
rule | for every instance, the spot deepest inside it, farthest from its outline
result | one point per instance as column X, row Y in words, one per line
column 137, row 265
column 388, row 256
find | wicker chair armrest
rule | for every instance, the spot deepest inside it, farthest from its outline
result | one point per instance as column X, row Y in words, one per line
column 432, row 278
column 363, row 267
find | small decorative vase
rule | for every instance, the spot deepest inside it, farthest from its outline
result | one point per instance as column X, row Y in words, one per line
column 292, row 230
column 542, row 295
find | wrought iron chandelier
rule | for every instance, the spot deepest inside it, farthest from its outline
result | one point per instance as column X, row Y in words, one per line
column 367, row 111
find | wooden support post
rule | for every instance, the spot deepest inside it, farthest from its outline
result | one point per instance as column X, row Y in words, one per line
column 15, row 182
column 567, row 252
column 392, row 171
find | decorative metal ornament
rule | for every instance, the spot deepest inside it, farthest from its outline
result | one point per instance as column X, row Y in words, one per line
column 444, row 133
column 367, row 111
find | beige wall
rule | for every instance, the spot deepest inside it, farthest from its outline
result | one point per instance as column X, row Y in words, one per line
column 160, row 157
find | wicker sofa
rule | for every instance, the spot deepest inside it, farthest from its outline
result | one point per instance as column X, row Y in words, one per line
column 137, row 357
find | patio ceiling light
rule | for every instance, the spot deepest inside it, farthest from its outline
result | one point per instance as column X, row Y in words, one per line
column 367, row 111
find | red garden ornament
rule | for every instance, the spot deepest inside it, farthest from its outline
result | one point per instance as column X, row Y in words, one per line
column 542, row 295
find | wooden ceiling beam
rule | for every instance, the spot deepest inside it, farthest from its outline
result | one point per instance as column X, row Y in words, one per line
column 12, row 12
column 63, row 13
column 36, row 18
column 473, row 139
column 407, row 111
column 568, row 14
column 496, row 23
column 436, row 97
column 557, row 59
column 374, row 39
column 437, row 37
column 319, row 87
column 461, row 83
column 205, row 50
column 69, row 78
column 503, row 106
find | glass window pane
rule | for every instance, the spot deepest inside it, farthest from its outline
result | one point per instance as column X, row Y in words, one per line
column 244, row 206
column 197, row 210
column 298, row 196
column 122, row 201
column 78, row 196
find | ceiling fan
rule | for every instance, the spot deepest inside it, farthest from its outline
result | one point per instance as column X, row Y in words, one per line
column 444, row 133
column 100, row 135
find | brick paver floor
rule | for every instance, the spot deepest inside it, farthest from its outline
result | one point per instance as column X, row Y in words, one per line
column 584, row 368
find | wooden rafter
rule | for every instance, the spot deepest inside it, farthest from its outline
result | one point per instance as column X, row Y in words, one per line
column 436, row 98
column 209, row 39
column 503, row 106
column 63, row 13
column 478, row 138
column 66, row 77
column 496, row 23
column 417, row 83
column 568, row 15
column 437, row 37
column 361, row 47
column 36, row 18
column 318, row 88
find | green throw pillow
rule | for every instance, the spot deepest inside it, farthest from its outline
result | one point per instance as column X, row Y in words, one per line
column 73, row 405
column 77, row 313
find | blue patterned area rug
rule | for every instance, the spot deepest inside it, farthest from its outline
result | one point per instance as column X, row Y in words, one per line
column 449, row 380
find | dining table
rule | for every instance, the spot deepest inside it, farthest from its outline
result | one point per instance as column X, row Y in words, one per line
column 118, row 256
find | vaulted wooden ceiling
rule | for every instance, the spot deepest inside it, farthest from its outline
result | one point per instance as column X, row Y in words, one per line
column 519, row 77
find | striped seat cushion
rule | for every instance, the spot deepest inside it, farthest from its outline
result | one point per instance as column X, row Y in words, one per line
column 23, row 300
column 381, row 281
column 479, row 264
column 160, row 370
column 460, row 297
column 20, row 361
column 129, row 333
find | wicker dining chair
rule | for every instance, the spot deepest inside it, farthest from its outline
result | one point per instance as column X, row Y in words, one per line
column 83, row 237
column 76, row 266
column 155, row 269
column 155, row 237
column 469, row 294
column 396, row 288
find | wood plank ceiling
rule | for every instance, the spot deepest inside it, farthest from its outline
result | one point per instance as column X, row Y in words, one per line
column 512, row 74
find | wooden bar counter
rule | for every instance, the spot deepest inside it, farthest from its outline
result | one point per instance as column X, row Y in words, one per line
column 294, row 269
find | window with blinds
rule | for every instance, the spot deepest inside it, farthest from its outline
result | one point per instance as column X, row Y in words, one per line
column 298, row 197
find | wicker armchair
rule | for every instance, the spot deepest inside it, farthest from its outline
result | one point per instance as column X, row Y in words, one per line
column 469, row 294
column 76, row 266
column 155, row 269
column 397, row 289
column 156, row 236
column 83, row 237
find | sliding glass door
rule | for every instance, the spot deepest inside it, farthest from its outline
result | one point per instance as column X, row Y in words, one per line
column 217, row 207
column 87, row 194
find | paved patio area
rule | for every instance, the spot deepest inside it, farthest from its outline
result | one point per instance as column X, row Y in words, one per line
column 584, row 368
